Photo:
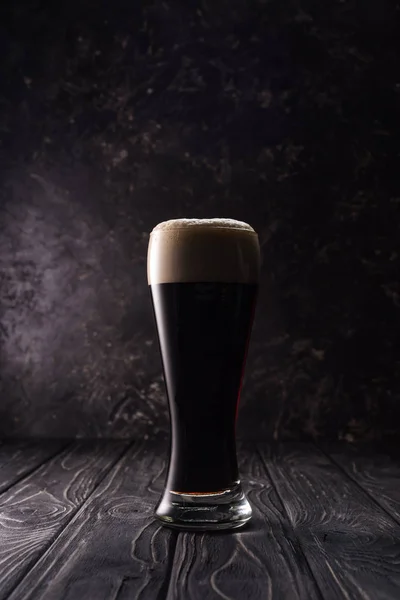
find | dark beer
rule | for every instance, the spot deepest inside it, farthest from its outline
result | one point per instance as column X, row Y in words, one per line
column 203, row 330
column 203, row 277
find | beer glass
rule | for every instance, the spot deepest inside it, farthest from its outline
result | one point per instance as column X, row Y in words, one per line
column 203, row 277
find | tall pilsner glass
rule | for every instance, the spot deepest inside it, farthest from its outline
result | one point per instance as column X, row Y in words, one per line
column 203, row 276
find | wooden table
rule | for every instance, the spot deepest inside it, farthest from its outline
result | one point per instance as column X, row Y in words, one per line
column 76, row 523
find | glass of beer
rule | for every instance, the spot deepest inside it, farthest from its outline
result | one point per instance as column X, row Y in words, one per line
column 203, row 277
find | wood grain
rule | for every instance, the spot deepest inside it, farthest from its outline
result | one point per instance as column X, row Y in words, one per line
column 377, row 472
column 112, row 549
column 81, row 526
column 19, row 458
column 35, row 510
column 262, row 561
column 352, row 546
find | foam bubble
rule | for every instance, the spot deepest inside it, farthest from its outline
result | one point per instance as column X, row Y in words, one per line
column 203, row 223
column 203, row 250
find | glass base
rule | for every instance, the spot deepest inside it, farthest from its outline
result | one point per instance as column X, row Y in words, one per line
column 228, row 509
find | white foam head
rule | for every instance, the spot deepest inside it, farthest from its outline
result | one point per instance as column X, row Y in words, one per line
column 189, row 250
column 203, row 223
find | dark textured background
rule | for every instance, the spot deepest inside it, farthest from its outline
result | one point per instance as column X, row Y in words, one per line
column 116, row 115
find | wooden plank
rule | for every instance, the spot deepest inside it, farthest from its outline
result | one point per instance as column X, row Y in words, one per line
column 377, row 472
column 112, row 549
column 19, row 458
column 34, row 511
column 352, row 546
column 261, row 561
